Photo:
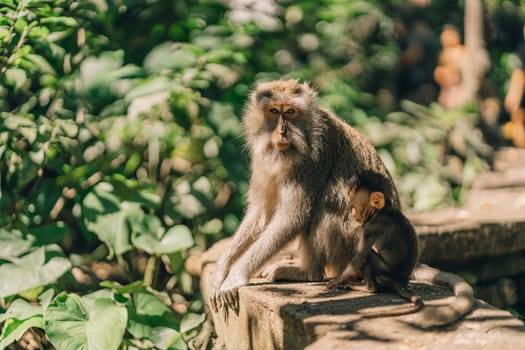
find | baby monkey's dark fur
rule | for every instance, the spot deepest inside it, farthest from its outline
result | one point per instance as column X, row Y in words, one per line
column 387, row 250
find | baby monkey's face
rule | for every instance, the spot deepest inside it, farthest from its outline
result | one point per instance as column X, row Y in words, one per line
column 360, row 202
column 365, row 203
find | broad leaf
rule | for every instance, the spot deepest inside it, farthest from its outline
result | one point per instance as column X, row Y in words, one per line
column 175, row 239
column 71, row 325
column 51, row 233
column 21, row 310
column 39, row 268
column 191, row 321
column 106, row 217
column 151, row 319
column 21, row 316
column 14, row 329
column 13, row 244
column 167, row 338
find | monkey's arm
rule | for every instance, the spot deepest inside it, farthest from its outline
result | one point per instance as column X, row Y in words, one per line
column 290, row 217
column 247, row 232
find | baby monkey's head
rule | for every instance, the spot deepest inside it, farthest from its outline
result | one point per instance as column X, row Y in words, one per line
column 368, row 196
column 365, row 203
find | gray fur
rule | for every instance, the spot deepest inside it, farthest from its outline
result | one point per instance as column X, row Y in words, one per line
column 300, row 192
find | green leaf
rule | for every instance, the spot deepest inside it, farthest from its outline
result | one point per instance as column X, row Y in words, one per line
column 42, row 64
column 39, row 268
column 146, row 304
column 169, row 55
column 21, row 316
column 175, row 239
column 14, row 329
column 151, row 319
column 13, row 244
column 21, row 310
column 70, row 325
column 167, row 338
column 191, row 321
column 133, row 287
column 106, row 217
column 49, row 234
column 16, row 77
column 14, row 122
column 66, row 21
column 39, row 31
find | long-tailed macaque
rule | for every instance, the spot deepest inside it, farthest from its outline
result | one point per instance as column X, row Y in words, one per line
column 386, row 256
column 387, row 250
column 304, row 161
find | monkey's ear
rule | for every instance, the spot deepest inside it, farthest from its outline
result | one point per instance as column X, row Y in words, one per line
column 377, row 200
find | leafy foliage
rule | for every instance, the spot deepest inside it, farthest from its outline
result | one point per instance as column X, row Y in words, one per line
column 121, row 155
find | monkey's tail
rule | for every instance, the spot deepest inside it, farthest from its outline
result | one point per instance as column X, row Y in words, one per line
column 417, row 304
column 443, row 315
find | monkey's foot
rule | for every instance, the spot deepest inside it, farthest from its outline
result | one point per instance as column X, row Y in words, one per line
column 342, row 280
column 359, row 286
column 285, row 270
column 334, row 283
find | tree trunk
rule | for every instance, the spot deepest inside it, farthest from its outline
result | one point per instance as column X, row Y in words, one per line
column 477, row 61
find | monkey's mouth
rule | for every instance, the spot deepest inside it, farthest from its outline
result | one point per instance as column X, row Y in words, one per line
column 282, row 146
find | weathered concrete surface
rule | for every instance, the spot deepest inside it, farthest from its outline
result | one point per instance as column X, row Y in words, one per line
column 307, row 315
column 491, row 222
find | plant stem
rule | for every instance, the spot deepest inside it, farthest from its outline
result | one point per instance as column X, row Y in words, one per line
column 151, row 270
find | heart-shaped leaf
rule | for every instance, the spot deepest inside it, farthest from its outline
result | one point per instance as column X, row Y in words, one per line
column 73, row 325
column 173, row 240
column 21, row 316
column 13, row 244
column 39, row 268
column 151, row 319
column 107, row 217
column 14, row 329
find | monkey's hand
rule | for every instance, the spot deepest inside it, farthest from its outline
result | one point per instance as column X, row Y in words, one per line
column 349, row 274
column 335, row 283
column 227, row 294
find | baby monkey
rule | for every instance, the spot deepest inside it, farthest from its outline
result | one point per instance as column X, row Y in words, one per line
column 387, row 249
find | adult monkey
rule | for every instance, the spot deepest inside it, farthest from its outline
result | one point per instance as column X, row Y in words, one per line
column 304, row 162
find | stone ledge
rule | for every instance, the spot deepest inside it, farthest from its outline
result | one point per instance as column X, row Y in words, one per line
column 489, row 228
column 307, row 315
column 490, row 224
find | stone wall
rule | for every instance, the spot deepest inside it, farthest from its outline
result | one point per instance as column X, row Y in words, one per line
column 484, row 240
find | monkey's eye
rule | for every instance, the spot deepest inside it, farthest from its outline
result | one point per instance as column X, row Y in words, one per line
column 290, row 111
column 274, row 110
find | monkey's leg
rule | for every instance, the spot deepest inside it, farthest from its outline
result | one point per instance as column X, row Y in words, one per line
column 370, row 285
column 248, row 231
column 304, row 267
column 348, row 276
column 358, row 264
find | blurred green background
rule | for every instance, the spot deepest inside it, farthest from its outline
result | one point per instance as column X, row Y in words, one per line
column 121, row 154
